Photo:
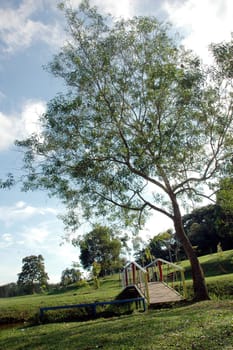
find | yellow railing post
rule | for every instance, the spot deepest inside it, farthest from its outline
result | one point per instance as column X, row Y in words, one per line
column 184, row 284
column 147, row 288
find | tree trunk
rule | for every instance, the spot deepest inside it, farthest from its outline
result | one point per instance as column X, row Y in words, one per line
column 199, row 285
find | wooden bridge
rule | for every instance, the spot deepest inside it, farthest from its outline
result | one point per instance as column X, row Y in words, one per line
column 159, row 282
column 161, row 293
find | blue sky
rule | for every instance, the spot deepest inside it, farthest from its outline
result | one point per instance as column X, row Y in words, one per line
column 30, row 33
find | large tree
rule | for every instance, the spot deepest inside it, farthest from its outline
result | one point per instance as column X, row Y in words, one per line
column 33, row 274
column 100, row 246
column 141, row 128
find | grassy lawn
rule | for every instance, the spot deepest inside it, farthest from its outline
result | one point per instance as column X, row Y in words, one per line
column 25, row 308
column 213, row 264
column 200, row 326
column 218, row 270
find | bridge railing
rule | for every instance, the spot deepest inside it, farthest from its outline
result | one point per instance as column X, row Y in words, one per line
column 169, row 273
column 134, row 274
column 93, row 306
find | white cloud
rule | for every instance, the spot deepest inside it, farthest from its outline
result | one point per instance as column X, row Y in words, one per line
column 19, row 30
column 203, row 22
column 30, row 117
column 14, row 126
column 21, row 27
column 119, row 8
column 20, row 204
column 30, row 237
column 6, row 240
column 33, row 236
column 156, row 224
column 20, row 211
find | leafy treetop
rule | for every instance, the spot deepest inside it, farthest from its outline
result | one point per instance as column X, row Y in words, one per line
column 33, row 272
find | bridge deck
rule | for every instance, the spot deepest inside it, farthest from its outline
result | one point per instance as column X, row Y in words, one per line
column 161, row 293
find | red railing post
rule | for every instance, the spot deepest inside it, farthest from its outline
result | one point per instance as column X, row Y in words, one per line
column 126, row 277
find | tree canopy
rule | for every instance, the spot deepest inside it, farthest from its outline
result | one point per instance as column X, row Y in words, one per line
column 33, row 274
column 142, row 127
column 208, row 226
column 162, row 245
column 103, row 247
column 225, row 194
column 70, row 276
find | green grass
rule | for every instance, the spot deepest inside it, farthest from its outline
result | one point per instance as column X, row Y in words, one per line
column 219, row 287
column 26, row 308
column 200, row 326
column 212, row 264
column 218, row 270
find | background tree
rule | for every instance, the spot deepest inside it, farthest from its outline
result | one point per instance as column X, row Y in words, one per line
column 162, row 246
column 70, row 276
column 102, row 247
column 208, row 226
column 142, row 127
column 225, row 194
column 201, row 228
column 10, row 290
column 33, row 276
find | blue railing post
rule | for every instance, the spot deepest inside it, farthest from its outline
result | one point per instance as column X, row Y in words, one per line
column 94, row 305
column 41, row 313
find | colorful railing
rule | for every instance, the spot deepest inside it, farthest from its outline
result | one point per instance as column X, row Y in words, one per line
column 169, row 273
column 158, row 270
column 134, row 274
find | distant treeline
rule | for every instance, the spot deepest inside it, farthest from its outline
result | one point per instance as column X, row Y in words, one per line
column 13, row 289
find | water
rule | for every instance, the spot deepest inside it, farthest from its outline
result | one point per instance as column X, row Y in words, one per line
column 13, row 325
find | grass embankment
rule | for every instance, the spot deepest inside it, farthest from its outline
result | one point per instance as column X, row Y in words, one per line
column 213, row 264
column 218, row 270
